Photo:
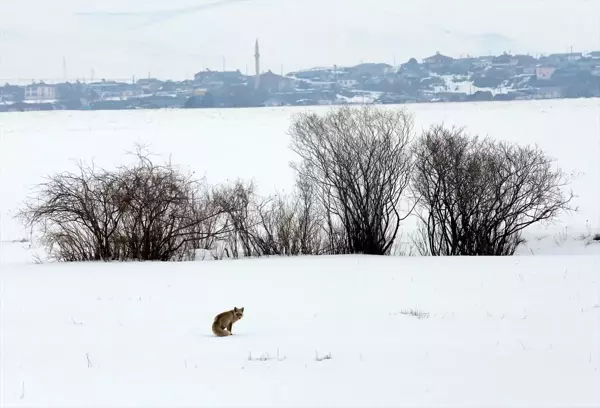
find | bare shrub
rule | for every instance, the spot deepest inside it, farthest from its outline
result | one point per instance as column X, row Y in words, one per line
column 237, row 204
column 77, row 213
column 290, row 225
column 415, row 313
column 358, row 164
column 476, row 196
column 140, row 212
column 165, row 213
column 276, row 225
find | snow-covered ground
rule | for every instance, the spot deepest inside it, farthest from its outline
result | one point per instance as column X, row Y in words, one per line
column 344, row 331
column 400, row 331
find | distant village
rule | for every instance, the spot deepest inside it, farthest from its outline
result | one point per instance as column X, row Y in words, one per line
column 438, row 78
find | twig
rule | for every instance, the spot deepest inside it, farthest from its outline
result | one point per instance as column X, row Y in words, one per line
column 325, row 357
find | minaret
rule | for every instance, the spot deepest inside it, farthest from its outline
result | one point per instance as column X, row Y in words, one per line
column 257, row 65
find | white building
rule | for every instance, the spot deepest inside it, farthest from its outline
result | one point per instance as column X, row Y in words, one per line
column 347, row 83
column 40, row 92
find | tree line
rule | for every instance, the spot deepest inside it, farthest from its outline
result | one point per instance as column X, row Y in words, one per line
column 360, row 173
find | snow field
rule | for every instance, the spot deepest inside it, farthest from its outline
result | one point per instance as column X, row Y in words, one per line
column 519, row 331
column 399, row 331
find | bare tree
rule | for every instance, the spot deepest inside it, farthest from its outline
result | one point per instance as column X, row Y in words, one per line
column 357, row 162
column 143, row 212
column 77, row 213
column 166, row 213
column 475, row 196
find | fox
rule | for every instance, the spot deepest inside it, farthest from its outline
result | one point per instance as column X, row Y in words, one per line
column 223, row 323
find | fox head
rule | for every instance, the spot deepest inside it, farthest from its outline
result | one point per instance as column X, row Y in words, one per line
column 238, row 313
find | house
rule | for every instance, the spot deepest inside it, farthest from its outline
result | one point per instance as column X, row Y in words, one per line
column 484, row 61
column 525, row 60
column 564, row 57
column 40, row 92
column 314, row 74
column 412, row 65
column 372, row 69
column 114, row 91
column 219, row 78
column 505, row 60
column 437, row 61
column 12, row 93
column 272, row 82
column 529, row 70
column 347, row 83
column 544, row 72
column 587, row 63
column 410, row 70
column 465, row 63
column 149, row 84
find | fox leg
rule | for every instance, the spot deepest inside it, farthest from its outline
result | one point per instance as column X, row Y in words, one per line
column 229, row 326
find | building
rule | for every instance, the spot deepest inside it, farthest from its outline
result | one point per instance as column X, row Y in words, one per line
column 525, row 60
column 505, row 60
column 484, row 61
column 544, row 72
column 218, row 78
column 149, row 84
column 347, row 83
column 40, row 92
column 273, row 83
column 437, row 61
column 370, row 69
column 564, row 57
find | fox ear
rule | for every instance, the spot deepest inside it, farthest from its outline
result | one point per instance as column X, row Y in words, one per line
column 242, row 310
column 235, row 309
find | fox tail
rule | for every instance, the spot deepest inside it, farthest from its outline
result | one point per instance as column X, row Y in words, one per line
column 219, row 331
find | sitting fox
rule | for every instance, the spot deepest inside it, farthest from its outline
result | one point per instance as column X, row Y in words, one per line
column 224, row 321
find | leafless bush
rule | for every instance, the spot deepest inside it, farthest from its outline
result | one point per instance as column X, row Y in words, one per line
column 237, row 202
column 276, row 225
column 324, row 357
column 140, row 212
column 358, row 164
column 476, row 196
column 290, row 225
column 415, row 313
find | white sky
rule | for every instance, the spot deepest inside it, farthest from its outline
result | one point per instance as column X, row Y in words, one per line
column 176, row 38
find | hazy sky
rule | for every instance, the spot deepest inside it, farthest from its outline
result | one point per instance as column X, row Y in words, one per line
column 176, row 38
